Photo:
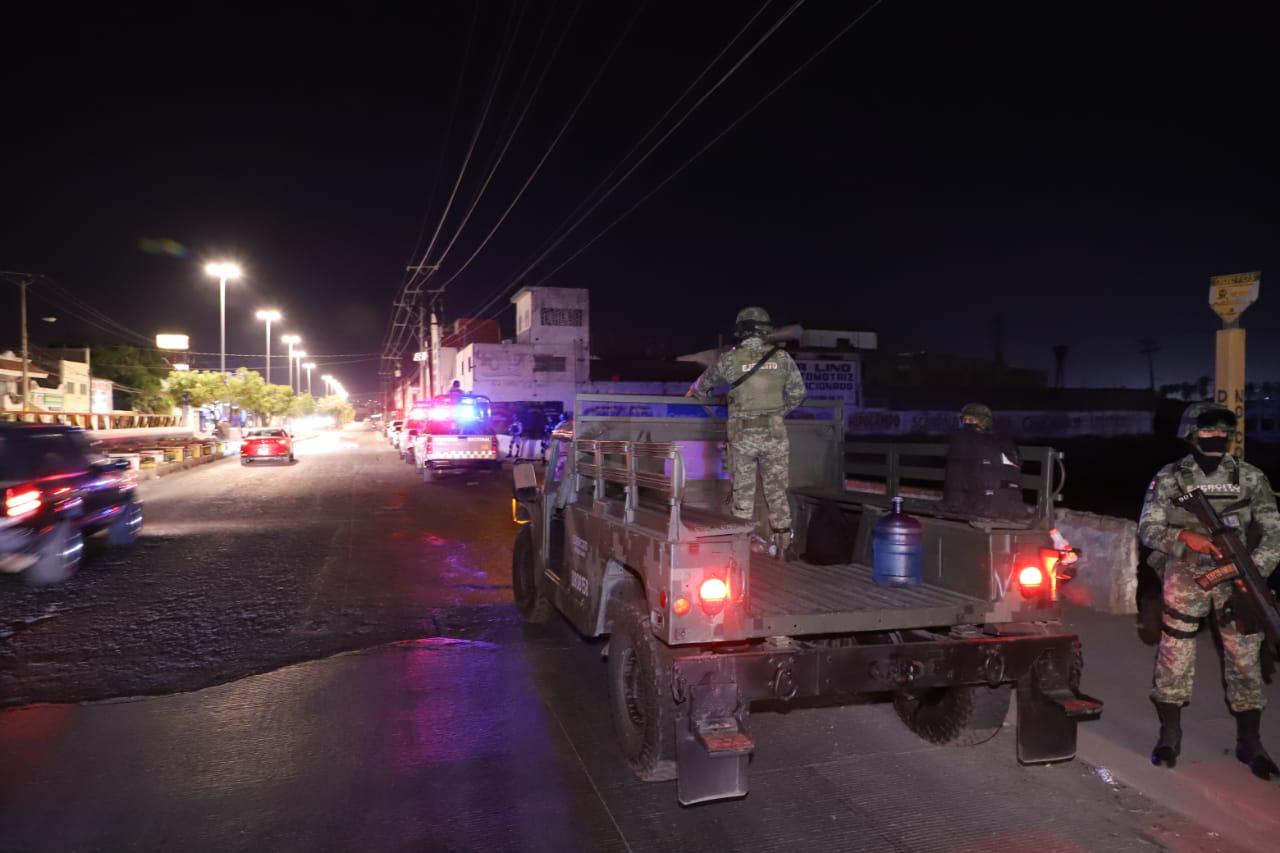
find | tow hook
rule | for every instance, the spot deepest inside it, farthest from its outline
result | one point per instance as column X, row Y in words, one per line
column 784, row 682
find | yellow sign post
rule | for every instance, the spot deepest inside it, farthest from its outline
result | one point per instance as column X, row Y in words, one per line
column 1229, row 296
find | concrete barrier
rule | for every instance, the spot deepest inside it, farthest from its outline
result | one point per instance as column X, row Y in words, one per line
column 1107, row 573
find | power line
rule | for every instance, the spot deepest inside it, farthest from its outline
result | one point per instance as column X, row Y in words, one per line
column 724, row 78
column 794, row 73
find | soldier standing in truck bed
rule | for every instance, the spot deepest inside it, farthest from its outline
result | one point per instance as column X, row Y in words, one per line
column 764, row 387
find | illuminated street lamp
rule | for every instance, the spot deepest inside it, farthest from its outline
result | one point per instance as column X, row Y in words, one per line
column 291, row 340
column 222, row 271
column 310, row 365
column 299, row 355
column 328, row 384
column 270, row 315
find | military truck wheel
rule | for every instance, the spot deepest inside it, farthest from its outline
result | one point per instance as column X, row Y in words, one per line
column 955, row 716
column 640, row 700
column 531, row 601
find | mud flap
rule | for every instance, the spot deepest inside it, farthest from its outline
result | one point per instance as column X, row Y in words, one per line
column 712, row 750
column 1047, row 722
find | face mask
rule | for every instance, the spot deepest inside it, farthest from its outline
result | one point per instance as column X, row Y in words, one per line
column 1213, row 446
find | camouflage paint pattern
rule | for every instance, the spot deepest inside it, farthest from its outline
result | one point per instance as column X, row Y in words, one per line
column 769, row 449
column 1185, row 603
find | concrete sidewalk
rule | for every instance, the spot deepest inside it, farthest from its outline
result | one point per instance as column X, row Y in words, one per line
column 1209, row 785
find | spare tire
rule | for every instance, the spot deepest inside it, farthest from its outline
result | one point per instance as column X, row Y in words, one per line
column 955, row 716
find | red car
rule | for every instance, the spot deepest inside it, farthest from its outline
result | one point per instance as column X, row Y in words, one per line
column 266, row 443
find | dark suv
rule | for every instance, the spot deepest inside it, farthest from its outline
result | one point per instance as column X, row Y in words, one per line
column 57, row 490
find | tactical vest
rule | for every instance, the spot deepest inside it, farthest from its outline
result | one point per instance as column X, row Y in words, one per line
column 978, row 481
column 761, row 394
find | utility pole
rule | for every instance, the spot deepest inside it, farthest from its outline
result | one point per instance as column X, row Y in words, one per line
column 1148, row 347
column 26, row 356
column 422, row 353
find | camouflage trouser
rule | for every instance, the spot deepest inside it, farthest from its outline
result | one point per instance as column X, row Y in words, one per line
column 768, row 447
column 1185, row 604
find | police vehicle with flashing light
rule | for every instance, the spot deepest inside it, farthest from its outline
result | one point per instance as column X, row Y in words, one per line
column 454, row 431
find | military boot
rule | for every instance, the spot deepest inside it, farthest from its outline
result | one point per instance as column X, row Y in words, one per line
column 1249, row 745
column 1170, row 743
column 782, row 544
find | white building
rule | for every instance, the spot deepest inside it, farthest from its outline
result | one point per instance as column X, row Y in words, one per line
column 547, row 362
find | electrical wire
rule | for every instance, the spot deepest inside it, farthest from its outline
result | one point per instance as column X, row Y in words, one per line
column 724, row 78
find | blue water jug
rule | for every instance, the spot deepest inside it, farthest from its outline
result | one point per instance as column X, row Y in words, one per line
column 897, row 548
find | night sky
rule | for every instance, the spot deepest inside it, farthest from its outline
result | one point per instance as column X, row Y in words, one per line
column 1079, row 169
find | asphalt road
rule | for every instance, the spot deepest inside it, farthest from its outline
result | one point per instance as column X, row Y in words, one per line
column 446, row 724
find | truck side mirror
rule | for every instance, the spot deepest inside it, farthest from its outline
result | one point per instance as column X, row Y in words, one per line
column 525, row 481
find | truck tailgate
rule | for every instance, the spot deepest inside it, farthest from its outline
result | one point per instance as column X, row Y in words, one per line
column 799, row 598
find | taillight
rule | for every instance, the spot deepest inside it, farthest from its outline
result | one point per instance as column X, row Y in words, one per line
column 493, row 443
column 680, row 606
column 426, row 445
column 20, row 501
column 282, row 442
column 1031, row 580
column 712, row 594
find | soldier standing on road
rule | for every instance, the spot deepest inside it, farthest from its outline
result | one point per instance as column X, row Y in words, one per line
column 764, row 386
column 514, row 431
column 1243, row 497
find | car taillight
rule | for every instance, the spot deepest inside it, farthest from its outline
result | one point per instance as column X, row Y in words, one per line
column 1030, row 580
column 426, row 444
column 282, row 442
column 712, row 594
column 21, row 500
column 493, row 443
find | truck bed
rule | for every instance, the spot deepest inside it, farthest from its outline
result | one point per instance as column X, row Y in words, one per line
column 797, row 598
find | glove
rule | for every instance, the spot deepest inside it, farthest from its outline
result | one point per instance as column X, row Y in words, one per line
column 1199, row 543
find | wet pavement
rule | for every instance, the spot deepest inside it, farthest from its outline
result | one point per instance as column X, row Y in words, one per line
column 336, row 666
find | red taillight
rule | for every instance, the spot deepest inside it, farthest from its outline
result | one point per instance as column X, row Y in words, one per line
column 493, row 441
column 20, row 501
column 712, row 594
column 1031, row 580
column 680, row 606
column 282, row 442
column 426, row 445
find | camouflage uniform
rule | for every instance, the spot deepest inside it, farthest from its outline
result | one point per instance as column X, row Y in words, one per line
column 757, row 434
column 1236, row 489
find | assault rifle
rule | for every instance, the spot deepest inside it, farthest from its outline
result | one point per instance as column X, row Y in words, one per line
column 1254, row 604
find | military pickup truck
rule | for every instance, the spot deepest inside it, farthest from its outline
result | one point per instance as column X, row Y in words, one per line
column 628, row 535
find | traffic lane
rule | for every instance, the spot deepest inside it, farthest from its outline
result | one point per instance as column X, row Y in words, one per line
column 241, row 569
column 507, row 744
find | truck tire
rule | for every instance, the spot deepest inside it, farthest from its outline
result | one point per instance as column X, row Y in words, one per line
column 58, row 555
column 531, row 601
column 955, row 716
column 124, row 530
column 644, row 712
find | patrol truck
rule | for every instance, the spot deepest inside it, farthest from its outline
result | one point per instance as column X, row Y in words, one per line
column 627, row 535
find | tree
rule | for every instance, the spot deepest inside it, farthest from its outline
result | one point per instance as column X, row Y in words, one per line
column 201, row 387
column 139, row 373
column 337, row 408
column 303, row 404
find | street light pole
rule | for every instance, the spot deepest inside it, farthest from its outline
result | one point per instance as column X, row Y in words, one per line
column 268, row 314
column 309, row 366
column 222, row 271
column 291, row 340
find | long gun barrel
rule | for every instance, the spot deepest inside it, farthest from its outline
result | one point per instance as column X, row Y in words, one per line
column 1257, row 596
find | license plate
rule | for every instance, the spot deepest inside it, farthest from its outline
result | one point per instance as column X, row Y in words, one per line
column 264, row 451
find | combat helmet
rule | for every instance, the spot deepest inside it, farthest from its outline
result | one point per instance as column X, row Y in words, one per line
column 1205, row 415
column 752, row 320
column 979, row 412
